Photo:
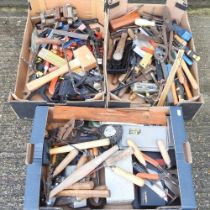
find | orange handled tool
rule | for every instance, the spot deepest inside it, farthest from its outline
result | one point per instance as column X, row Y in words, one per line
column 147, row 176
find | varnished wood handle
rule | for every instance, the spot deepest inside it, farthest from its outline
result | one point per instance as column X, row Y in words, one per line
column 189, row 75
column 65, row 162
column 37, row 83
column 128, row 176
column 82, row 161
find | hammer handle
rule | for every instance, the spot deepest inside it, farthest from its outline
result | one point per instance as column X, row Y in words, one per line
column 118, row 54
column 82, row 161
column 80, row 146
column 187, row 90
column 36, row 84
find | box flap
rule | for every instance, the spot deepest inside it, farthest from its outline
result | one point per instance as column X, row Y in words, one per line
column 177, row 9
column 85, row 8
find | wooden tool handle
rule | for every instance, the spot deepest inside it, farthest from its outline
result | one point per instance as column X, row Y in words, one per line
column 164, row 153
column 128, row 176
column 138, row 154
column 85, row 193
column 154, row 177
column 174, row 93
column 123, row 92
column 82, row 186
column 189, row 75
column 80, row 146
column 119, row 156
column 124, row 20
column 151, row 160
column 65, row 162
column 83, row 171
column 131, row 33
column 180, row 75
column 115, row 79
column 170, row 79
column 36, row 84
column 82, row 161
column 187, row 90
column 118, row 54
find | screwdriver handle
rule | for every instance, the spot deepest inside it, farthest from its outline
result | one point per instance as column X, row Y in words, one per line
column 138, row 154
column 147, row 176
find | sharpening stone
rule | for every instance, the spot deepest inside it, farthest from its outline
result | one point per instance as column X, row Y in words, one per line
column 121, row 190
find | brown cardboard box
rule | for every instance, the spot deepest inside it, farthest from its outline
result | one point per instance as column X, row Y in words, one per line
column 86, row 9
column 189, row 108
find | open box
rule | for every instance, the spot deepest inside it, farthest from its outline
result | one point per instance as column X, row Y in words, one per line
column 86, row 9
column 47, row 118
column 190, row 108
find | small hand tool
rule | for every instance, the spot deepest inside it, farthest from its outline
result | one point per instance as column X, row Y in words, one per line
column 164, row 153
column 118, row 54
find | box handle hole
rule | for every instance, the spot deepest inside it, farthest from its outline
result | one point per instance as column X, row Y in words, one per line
column 29, row 154
column 187, row 152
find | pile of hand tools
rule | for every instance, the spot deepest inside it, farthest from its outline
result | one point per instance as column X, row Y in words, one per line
column 149, row 60
column 82, row 159
column 66, row 57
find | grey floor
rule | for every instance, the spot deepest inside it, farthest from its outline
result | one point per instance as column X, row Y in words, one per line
column 15, row 133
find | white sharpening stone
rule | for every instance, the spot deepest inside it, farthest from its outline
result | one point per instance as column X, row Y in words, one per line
column 121, row 190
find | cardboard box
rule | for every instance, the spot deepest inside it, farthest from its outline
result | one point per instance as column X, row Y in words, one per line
column 46, row 117
column 86, row 9
column 93, row 8
column 189, row 108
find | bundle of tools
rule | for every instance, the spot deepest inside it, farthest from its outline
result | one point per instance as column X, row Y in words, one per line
column 91, row 163
column 66, row 57
column 149, row 60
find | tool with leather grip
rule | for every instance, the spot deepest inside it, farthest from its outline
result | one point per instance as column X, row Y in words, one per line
column 189, row 75
column 80, row 146
column 118, row 54
column 180, row 91
column 138, row 154
column 164, row 153
column 65, row 162
column 83, row 171
column 128, row 176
